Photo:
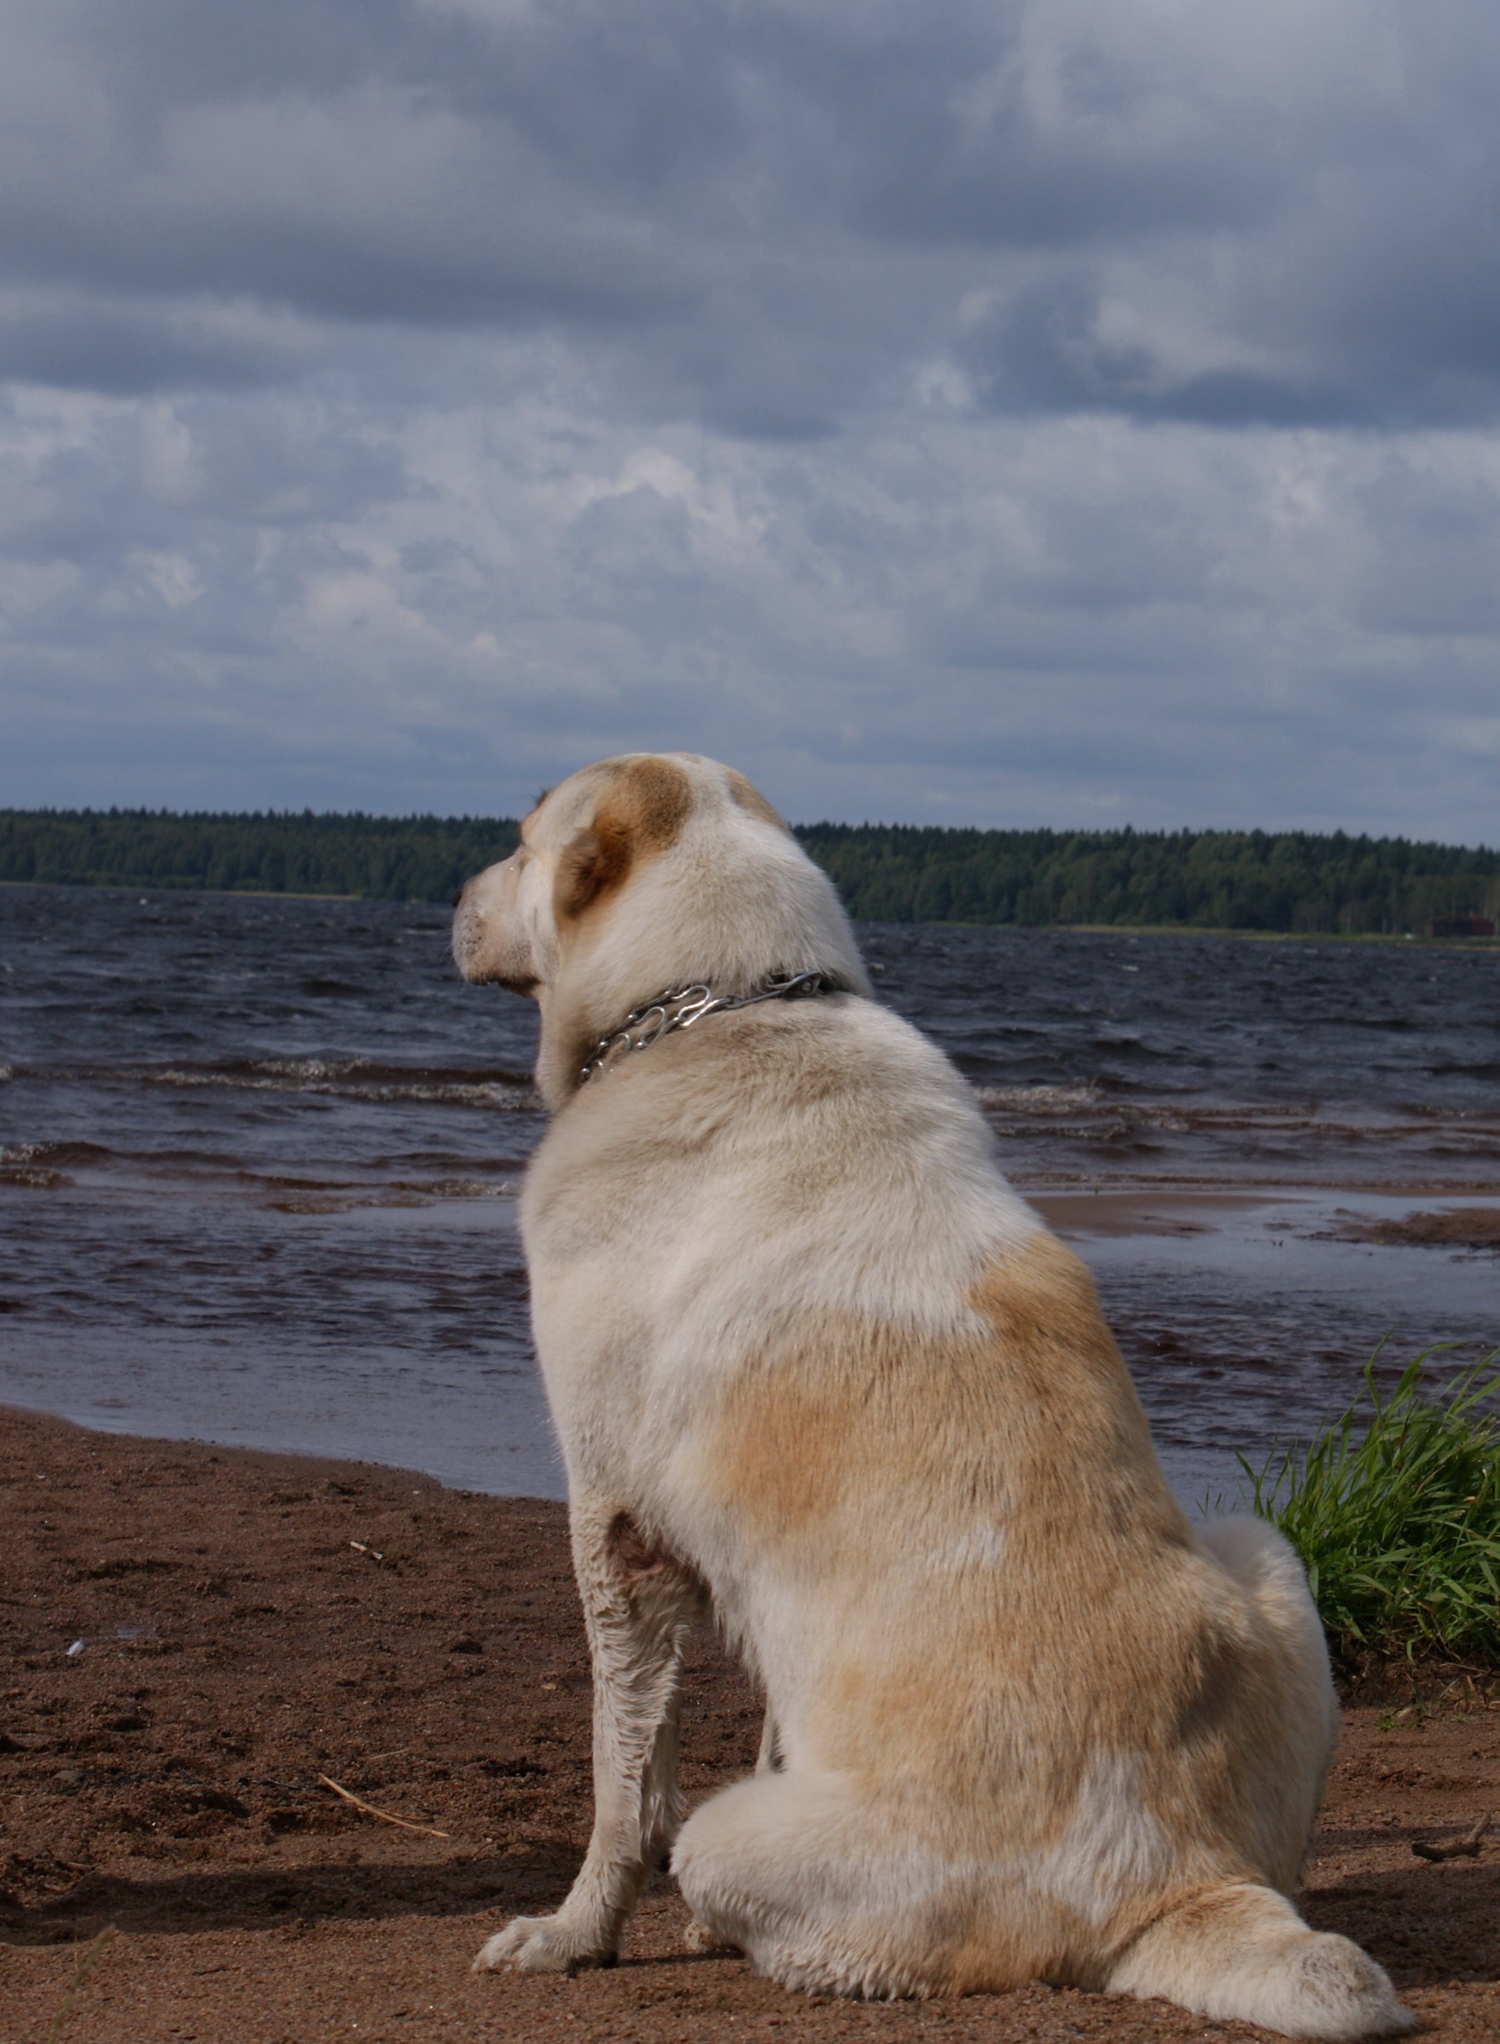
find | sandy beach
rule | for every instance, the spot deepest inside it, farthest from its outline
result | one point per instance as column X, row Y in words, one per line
column 250, row 1622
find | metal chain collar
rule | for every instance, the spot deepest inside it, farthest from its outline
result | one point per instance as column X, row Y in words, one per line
column 681, row 1007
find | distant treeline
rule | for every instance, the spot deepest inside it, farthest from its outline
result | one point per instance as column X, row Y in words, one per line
column 392, row 858
column 1207, row 879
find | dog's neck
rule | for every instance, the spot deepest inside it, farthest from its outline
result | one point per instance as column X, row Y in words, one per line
column 563, row 1069
column 681, row 1007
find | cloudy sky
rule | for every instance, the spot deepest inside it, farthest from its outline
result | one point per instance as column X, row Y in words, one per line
column 972, row 411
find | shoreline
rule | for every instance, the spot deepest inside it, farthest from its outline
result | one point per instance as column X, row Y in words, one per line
column 250, row 1621
column 1413, row 1241
column 1401, row 937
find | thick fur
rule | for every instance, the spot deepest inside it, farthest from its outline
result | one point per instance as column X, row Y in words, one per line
column 814, row 1364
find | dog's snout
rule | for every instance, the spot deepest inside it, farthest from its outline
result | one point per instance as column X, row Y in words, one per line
column 490, row 946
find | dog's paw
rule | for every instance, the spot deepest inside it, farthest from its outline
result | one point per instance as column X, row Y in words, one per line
column 543, row 1944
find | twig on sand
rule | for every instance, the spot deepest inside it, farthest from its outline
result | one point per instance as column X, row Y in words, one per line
column 424, row 1830
column 1466, row 1847
column 81, row 1973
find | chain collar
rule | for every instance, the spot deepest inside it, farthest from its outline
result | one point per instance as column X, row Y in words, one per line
column 681, row 1007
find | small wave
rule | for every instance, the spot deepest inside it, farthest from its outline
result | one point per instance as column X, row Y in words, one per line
column 21, row 1155
column 37, row 1165
column 32, row 1175
column 353, row 1079
column 1038, row 1099
column 308, row 1198
column 341, row 1203
column 368, row 1072
column 361, row 1076
column 296, row 1068
column 454, row 1187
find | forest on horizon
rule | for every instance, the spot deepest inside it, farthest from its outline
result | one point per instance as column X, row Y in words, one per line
column 1267, row 881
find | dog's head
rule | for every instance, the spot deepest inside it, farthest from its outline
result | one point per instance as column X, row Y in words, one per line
column 641, row 873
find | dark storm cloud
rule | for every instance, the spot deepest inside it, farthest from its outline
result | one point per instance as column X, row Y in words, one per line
column 132, row 347
column 986, row 410
column 698, row 186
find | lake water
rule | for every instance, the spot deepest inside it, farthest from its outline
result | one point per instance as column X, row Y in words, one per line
column 260, row 1157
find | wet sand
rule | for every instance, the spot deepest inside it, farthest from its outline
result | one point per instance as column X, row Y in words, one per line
column 1443, row 1220
column 250, row 1621
column 1462, row 1227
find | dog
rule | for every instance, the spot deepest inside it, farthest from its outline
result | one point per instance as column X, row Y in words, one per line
column 816, row 1367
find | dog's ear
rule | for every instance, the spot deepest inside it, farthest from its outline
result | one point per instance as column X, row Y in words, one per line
column 750, row 799
column 594, row 862
column 640, row 812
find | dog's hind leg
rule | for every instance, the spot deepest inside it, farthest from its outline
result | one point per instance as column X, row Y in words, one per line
column 768, row 1760
column 1289, row 1712
column 639, row 1604
column 1242, row 1952
column 796, row 1873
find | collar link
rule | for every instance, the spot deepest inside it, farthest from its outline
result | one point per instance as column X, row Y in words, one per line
column 681, row 1007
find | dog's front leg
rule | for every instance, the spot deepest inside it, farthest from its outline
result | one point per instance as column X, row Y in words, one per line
column 639, row 1603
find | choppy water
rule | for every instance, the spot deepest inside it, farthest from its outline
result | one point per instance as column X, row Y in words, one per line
column 259, row 1158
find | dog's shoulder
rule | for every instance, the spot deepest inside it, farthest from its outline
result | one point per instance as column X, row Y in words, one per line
column 784, row 1161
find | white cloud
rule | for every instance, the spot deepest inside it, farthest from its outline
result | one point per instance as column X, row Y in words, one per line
column 172, row 576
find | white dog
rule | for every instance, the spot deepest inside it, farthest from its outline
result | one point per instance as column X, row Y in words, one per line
column 813, row 1362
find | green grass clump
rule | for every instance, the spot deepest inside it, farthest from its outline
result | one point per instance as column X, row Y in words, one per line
column 1395, row 1512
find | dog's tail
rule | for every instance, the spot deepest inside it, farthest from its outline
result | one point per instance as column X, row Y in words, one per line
column 1243, row 1952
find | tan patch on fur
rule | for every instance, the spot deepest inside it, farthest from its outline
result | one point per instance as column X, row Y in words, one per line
column 750, row 799
column 640, row 812
column 785, row 1452
column 880, row 1453
column 1033, row 1397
